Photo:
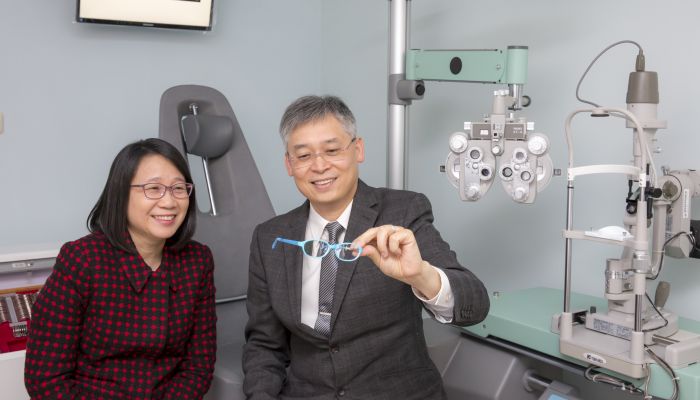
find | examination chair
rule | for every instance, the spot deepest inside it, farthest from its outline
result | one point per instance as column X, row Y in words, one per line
column 232, row 200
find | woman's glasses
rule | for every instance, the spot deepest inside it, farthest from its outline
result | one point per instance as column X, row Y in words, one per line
column 155, row 191
column 320, row 248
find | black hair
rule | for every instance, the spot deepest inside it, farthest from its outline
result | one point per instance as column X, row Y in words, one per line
column 109, row 215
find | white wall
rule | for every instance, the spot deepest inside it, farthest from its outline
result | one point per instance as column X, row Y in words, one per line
column 74, row 94
column 514, row 246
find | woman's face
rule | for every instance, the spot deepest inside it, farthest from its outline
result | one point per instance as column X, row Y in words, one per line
column 152, row 221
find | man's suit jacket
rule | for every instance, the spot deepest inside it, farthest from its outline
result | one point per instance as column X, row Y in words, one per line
column 376, row 349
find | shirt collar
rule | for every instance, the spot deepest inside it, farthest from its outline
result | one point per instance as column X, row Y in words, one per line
column 138, row 273
column 317, row 224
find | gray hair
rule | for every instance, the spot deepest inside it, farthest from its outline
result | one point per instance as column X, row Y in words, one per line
column 314, row 108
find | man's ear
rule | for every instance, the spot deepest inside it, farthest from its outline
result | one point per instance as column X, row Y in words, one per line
column 288, row 165
column 360, row 144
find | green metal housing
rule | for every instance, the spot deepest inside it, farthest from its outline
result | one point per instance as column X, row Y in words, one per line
column 485, row 66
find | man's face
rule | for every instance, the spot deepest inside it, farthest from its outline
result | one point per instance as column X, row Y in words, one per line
column 323, row 160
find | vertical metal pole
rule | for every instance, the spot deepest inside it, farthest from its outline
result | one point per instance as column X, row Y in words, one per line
column 567, row 251
column 205, row 165
column 638, row 306
column 397, row 113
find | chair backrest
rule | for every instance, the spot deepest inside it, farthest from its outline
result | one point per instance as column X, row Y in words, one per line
column 209, row 129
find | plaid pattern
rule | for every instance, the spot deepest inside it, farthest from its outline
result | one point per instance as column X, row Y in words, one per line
column 106, row 326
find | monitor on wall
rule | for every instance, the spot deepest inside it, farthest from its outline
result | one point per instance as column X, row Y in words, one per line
column 182, row 14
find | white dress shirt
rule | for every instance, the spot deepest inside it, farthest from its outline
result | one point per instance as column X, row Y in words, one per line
column 441, row 305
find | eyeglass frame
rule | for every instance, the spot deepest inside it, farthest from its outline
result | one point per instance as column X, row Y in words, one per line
column 336, row 247
column 189, row 186
column 314, row 156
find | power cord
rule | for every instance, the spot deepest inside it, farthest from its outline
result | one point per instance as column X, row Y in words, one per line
column 664, row 365
column 601, row 377
column 639, row 66
column 660, row 315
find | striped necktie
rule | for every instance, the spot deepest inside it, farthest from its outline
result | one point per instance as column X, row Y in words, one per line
column 329, row 268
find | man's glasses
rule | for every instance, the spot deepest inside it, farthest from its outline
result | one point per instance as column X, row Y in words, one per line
column 343, row 251
column 305, row 159
column 155, row 191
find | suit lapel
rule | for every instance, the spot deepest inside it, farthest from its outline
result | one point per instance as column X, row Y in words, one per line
column 362, row 217
column 294, row 259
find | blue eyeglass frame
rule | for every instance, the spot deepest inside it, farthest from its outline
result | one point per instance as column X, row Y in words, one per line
column 336, row 247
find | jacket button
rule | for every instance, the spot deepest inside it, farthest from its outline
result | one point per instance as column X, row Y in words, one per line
column 335, row 349
column 341, row 392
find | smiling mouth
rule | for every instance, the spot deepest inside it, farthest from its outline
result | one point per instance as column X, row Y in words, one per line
column 324, row 182
column 165, row 218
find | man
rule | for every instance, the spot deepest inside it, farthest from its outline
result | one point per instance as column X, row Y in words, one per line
column 323, row 327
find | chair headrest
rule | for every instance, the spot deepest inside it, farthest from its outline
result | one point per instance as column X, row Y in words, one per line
column 207, row 136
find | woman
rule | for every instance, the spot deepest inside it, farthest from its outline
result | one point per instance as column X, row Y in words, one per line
column 128, row 312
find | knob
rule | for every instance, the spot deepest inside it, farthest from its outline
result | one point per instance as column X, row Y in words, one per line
column 473, row 192
column 519, row 156
column 458, row 142
column 537, row 145
column 662, row 292
column 475, row 154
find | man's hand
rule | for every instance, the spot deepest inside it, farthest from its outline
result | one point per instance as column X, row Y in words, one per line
column 394, row 250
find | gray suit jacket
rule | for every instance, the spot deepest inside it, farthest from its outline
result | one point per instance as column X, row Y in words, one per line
column 376, row 349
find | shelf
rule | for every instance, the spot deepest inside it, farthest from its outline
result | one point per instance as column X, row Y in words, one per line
column 38, row 257
column 574, row 234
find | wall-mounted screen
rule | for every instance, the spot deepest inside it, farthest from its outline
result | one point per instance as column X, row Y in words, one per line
column 183, row 14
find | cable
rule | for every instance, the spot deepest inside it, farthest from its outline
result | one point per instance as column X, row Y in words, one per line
column 599, row 377
column 645, row 391
column 658, row 312
column 690, row 236
column 664, row 365
column 610, row 380
column 638, row 67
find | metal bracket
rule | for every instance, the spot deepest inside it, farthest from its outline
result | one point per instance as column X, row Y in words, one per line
column 402, row 91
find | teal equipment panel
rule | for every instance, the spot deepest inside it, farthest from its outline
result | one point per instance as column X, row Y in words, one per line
column 485, row 66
